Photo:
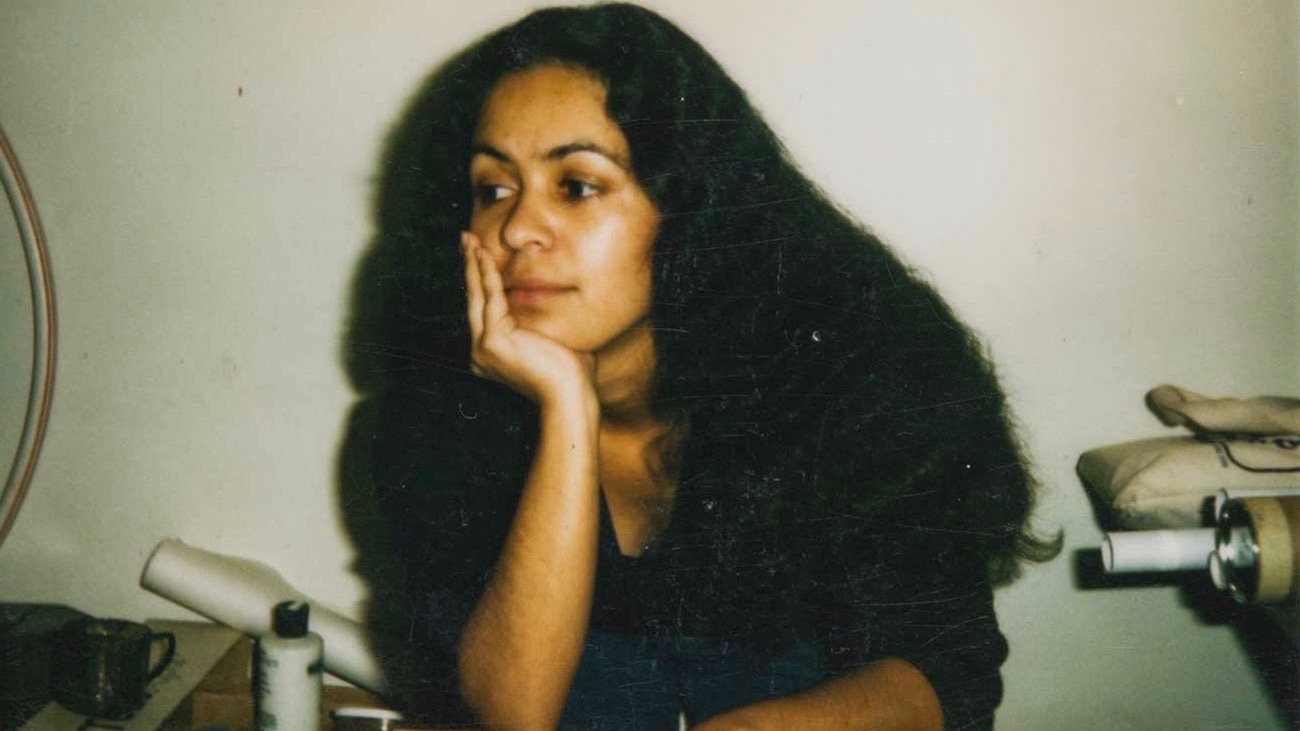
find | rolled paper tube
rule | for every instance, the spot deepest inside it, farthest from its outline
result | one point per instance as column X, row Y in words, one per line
column 1277, row 533
column 1157, row 550
column 242, row 594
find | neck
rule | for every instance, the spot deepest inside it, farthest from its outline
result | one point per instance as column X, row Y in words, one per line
column 623, row 379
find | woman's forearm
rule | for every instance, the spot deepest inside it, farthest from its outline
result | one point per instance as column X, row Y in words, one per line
column 525, row 636
column 889, row 695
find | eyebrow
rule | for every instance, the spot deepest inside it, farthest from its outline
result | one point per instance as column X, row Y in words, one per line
column 555, row 153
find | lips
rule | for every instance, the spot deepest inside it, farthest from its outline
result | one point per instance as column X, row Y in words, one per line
column 535, row 291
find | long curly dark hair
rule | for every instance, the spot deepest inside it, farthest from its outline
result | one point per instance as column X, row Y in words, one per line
column 794, row 350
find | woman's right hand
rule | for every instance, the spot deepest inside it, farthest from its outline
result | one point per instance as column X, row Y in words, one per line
column 530, row 363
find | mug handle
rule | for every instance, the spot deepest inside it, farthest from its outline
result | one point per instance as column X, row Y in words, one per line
column 167, row 655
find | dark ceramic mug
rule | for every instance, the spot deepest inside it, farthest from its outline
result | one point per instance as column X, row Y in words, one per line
column 102, row 666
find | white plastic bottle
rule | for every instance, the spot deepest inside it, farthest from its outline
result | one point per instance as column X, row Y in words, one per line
column 289, row 669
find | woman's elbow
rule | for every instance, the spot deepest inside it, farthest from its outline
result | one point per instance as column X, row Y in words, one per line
column 510, row 701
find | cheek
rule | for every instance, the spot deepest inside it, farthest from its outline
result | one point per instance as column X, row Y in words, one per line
column 486, row 229
column 642, row 260
column 625, row 263
column 480, row 226
column 630, row 239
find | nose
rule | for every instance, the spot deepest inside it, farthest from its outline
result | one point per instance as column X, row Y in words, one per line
column 529, row 224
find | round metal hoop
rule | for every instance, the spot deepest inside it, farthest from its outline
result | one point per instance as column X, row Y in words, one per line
column 43, row 337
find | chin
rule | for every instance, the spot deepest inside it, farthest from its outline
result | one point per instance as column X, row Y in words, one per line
column 558, row 332
column 580, row 337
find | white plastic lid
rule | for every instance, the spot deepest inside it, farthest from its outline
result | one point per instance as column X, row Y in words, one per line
column 1217, row 573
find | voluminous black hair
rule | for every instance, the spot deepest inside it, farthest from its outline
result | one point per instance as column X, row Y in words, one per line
column 794, row 349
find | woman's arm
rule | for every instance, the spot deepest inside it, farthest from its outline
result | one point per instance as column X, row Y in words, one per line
column 523, row 640
column 888, row 695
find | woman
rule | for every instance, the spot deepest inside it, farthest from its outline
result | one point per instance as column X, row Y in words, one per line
column 667, row 432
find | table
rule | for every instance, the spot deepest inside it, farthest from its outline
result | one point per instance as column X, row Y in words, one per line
column 207, row 686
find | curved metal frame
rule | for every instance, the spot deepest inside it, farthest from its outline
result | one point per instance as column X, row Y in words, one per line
column 43, row 337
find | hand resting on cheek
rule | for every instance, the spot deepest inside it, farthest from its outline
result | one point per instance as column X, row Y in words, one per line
column 530, row 363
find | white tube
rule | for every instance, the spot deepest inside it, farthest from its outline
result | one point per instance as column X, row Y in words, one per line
column 1157, row 550
column 242, row 594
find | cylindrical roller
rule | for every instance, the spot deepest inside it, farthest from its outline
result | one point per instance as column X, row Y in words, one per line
column 1157, row 550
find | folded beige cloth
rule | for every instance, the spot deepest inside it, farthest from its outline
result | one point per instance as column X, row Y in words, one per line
column 1265, row 415
column 1164, row 482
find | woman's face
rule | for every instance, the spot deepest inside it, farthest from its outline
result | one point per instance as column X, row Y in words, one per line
column 558, row 208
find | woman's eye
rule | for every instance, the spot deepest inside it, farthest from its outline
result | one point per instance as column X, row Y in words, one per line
column 488, row 194
column 578, row 189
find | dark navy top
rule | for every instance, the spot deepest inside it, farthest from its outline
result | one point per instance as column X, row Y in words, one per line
column 759, row 561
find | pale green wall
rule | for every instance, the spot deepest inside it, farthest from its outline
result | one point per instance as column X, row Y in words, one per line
column 15, row 335
column 1107, row 190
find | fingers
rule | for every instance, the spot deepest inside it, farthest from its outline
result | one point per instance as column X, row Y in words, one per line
column 488, row 308
column 474, row 297
column 495, row 308
column 473, row 285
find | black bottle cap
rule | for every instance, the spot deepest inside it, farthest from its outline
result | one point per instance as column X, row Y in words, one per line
column 290, row 619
